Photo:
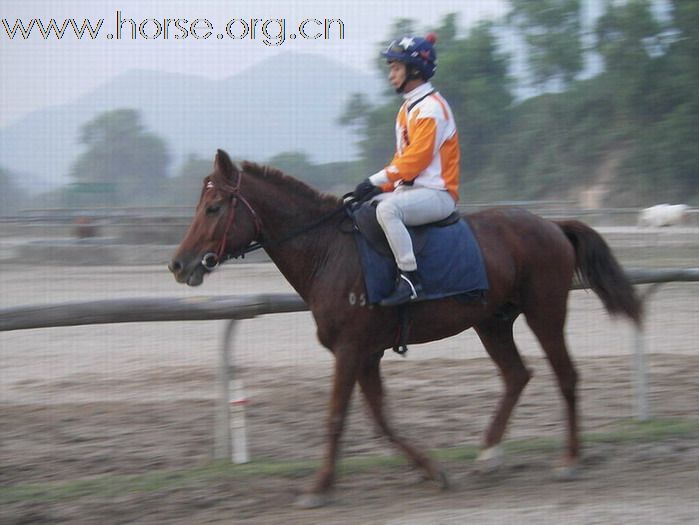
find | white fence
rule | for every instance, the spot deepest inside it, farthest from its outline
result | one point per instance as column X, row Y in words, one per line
column 230, row 442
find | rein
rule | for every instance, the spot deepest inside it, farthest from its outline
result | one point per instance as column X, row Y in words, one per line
column 211, row 260
column 256, row 245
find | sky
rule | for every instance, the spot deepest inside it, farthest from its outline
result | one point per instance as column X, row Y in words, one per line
column 37, row 72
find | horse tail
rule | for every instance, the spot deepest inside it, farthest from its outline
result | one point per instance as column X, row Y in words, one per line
column 598, row 269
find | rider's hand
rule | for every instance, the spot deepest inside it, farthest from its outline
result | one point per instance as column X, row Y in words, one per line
column 365, row 190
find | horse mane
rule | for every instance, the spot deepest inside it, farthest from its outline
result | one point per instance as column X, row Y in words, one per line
column 278, row 178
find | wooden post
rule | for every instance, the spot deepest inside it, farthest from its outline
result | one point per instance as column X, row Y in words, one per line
column 222, row 432
column 231, row 442
column 641, row 411
column 641, row 406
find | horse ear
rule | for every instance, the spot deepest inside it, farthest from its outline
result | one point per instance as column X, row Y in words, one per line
column 223, row 164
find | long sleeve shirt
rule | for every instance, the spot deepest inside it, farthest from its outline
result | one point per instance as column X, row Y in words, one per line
column 427, row 144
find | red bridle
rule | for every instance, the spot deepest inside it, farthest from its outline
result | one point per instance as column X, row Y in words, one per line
column 212, row 260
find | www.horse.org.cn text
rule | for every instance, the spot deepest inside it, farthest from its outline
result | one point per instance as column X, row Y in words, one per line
column 269, row 31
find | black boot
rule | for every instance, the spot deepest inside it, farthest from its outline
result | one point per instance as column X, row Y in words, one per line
column 408, row 289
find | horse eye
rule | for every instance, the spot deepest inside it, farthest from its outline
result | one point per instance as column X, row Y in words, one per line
column 213, row 209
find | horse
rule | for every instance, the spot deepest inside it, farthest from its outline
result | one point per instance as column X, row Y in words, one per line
column 530, row 264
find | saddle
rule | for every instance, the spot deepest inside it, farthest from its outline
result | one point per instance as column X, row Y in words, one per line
column 448, row 256
column 367, row 224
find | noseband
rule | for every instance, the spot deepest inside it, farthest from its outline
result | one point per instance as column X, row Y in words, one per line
column 212, row 259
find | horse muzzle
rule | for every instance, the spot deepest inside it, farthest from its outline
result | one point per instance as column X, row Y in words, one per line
column 188, row 274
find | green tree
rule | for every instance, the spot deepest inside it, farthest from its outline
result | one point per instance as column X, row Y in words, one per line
column 552, row 32
column 447, row 32
column 627, row 37
column 11, row 197
column 294, row 163
column 665, row 161
column 185, row 187
column 372, row 129
column 121, row 156
column 324, row 177
column 473, row 76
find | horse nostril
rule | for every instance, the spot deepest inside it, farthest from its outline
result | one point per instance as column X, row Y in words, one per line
column 175, row 266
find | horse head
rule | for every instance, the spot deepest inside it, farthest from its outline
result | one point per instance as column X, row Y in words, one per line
column 224, row 224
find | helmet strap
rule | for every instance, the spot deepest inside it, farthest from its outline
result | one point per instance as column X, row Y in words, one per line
column 411, row 73
column 401, row 88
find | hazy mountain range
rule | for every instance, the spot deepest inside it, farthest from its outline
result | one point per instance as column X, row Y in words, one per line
column 289, row 102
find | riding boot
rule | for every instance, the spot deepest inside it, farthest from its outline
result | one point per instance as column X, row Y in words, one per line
column 408, row 289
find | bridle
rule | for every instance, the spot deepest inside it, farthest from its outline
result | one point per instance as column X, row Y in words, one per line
column 211, row 260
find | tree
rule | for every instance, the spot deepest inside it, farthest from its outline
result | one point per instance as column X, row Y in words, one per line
column 473, row 76
column 185, row 187
column 294, row 163
column 121, row 157
column 447, row 32
column 375, row 127
column 665, row 161
column 11, row 196
column 324, row 177
column 552, row 32
column 626, row 34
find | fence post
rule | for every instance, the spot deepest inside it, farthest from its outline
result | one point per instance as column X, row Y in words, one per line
column 222, row 432
column 231, row 433
column 641, row 409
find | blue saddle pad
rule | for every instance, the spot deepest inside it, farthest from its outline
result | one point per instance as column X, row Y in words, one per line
column 450, row 263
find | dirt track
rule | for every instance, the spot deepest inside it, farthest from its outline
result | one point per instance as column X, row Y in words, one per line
column 87, row 402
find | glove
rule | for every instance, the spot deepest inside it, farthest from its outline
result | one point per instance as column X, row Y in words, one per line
column 365, row 190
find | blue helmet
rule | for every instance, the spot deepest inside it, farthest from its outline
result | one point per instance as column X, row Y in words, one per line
column 416, row 52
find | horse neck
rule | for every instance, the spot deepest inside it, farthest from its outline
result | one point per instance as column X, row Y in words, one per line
column 284, row 213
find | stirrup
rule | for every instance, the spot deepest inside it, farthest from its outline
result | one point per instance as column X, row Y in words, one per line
column 406, row 290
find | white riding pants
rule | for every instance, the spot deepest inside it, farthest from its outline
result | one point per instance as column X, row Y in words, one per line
column 410, row 206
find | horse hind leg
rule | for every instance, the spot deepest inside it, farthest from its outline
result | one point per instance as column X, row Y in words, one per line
column 497, row 338
column 547, row 322
column 371, row 384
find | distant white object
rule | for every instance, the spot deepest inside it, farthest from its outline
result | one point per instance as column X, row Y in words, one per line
column 663, row 215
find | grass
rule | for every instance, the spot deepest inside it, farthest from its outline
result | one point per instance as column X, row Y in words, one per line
column 117, row 485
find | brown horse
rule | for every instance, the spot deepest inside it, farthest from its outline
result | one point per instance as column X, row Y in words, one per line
column 530, row 265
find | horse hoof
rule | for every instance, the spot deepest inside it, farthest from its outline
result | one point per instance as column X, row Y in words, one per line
column 442, row 480
column 565, row 473
column 489, row 460
column 311, row 501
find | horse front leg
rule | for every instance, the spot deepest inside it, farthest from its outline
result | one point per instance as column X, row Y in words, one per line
column 346, row 365
column 372, row 387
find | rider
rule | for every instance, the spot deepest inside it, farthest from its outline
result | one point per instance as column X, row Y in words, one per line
column 421, row 181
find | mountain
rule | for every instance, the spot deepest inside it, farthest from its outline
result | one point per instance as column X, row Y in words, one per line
column 289, row 102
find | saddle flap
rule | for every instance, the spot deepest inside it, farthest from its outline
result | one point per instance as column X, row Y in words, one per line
column 367, row 224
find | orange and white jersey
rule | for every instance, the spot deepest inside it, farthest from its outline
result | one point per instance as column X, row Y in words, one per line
column 427, row 143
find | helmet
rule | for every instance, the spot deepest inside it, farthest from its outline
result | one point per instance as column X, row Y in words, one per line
column 416, row 52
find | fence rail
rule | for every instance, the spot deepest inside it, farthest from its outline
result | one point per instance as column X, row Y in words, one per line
column 148, row 310
column 217, row 307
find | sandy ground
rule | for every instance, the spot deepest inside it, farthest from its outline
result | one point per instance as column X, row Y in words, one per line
column 85, row 402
